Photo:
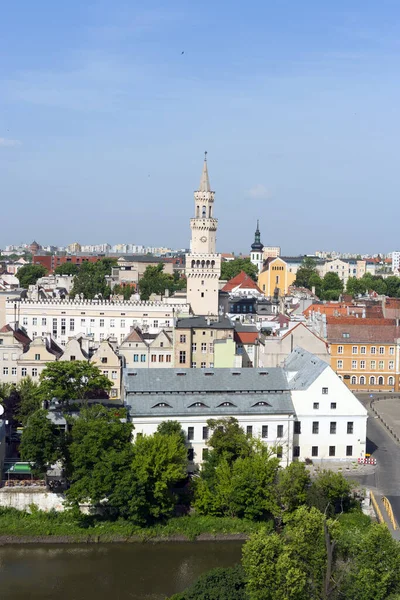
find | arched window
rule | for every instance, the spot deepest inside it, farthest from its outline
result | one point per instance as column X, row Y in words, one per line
column 198, row 211
column 212, row 264
column 204, row 211
column 198, row 264
column 208, row 264
column 380, row 380
column 193, row 264
column 362, row 380
column 203, row 262
column 372, row 380
column 353, row 380
column 391, row 381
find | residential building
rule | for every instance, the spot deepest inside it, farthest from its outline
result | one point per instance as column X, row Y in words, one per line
column 143, row 351
column 225, row 355
column 96, row 319
column 242, row 285
column 109, row 364
column 256, row 254
column 300, row 411
column 195, row 338
column 74, row 248
column 247, row 344
column 203, row 264
column 275, row 275
column 259, row 400
column 330, row 423
column 41, row 351
column 52, row 261
column 365, row 352
column 396, row 262
column 275, row 348
column 13, row 343
column 77, row 348
column 132, row 268
column 271, row 252
column 344, row 268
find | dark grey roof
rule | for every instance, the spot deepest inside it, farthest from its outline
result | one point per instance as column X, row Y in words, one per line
column 303, row 368
column 209, row 404
column 204, row 323
column 184, row 381
column 140, row 258
column 239, row 327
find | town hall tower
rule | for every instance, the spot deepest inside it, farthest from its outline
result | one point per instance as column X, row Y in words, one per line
column 203, row 265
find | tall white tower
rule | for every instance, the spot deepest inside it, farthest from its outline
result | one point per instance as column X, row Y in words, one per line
column 256, row 254
column 203, row 265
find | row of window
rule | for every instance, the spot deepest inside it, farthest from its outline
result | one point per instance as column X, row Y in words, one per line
column 249, row 432
column 372, row 380
column 363, row 350
column 203, row 347
column 332, row 427
column 123, row 323
column 153, row 358
column 363, row 364
column 203, row 365
column 314, row 451
column 13, row 356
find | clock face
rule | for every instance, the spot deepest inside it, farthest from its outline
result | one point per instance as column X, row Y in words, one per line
column 203, row 238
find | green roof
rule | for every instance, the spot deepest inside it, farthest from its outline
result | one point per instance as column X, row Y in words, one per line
column 22, row 468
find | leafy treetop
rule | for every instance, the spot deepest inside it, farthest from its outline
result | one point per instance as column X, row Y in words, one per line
column 231, row 268
column 72, row 380
column 29, row 274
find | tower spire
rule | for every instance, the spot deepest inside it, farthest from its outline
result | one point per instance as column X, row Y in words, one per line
column 204, row 181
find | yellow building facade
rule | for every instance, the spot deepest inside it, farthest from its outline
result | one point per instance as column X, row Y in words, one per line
column 275, row 275
column 366, row 366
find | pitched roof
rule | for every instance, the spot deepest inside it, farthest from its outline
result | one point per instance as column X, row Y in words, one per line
column 204, row 323
column 204, row 181
column 246, row 337
column 135, row 335
column 18, row 334
column 303, row 368
column 371, row 331
column 241, row 280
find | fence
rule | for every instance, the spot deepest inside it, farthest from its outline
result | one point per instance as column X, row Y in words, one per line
column 377, row 510
column 389, row 511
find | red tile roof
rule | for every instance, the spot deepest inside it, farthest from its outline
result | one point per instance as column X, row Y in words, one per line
column 243, row 281
column 246, row 337
column 373, row 331
column 18, row 334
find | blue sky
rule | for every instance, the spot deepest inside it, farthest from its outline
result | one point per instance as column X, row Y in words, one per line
column 103, row 121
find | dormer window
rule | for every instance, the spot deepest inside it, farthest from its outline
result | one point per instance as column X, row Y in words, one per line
column 198, row 405
column 226, row 404
column 161, row 405
column 262, row 403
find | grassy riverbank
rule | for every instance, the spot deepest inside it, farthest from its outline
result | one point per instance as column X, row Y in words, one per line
column 17, row 524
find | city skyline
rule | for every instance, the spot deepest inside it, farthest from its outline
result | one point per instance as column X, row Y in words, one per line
column 105, row 114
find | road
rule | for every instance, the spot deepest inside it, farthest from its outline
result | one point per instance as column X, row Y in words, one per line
column 383, row 447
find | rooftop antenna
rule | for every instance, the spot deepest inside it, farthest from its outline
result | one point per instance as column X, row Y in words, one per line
column 205, row 156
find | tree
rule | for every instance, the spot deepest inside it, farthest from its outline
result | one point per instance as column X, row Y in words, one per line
column 304, row 273
column 355, row 286
column 67, row 268
column 158, row 463
column 231, row 268
column 99, row 453
column 330, row 492
column 91, row 279
column 374, row 572
column 9, row 400
column 291, row 486
column 125, row 291
column 29, row 399
column 290, row 566
column 228, row 440
column 29, row 274
column 217, row 584
column 315, row 281
column 393, row 287
column 73, row 380
column 155, row 281
column 332, row 286
column 172, row 428
column 40, row 441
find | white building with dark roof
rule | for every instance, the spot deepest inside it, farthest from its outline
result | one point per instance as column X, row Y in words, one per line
column 303, row 410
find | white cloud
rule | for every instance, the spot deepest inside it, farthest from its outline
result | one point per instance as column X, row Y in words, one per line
column 7, row 143
column 259, row 191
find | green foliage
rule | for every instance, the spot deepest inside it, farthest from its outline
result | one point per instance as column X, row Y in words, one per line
column 172, row 428
column 40, row 442
column 291, row 486
column 91, row 278
column 217, row 584
column 228, row 439
column 231, row 268
column 330, row 492
column 29, row 274
column 99, row 452
column 307, row 274
column 125, row 291
column 72, row 380
column 389, row 286
column 29, row 399
column 332, row 286
column 374, row 572
column 289, row 566
column 155, row 281
column 67, row 268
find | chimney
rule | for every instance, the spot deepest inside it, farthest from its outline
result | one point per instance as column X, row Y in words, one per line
column 166, row 293
column 313, row 290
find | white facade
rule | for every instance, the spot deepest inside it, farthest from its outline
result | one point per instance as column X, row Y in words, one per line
column 203, row 264
column 395, row 256
column 96, row 319
column 332, row 422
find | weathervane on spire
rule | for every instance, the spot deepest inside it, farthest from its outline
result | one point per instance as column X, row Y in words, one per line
column 205, row 156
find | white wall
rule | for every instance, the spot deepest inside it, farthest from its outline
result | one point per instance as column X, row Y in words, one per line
column 24, row 498
column 148, row 426
column 348, row 409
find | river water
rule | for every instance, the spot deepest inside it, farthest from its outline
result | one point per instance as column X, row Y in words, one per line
column 108, row 571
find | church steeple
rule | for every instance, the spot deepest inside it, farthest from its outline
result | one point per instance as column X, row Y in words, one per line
column 204, row 181
column 257, row 245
